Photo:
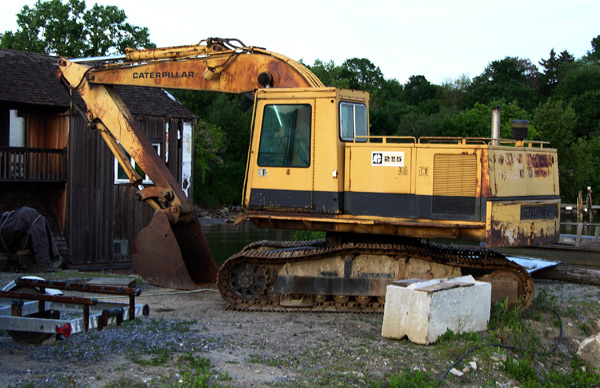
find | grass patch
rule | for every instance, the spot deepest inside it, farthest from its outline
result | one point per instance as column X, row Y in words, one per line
column 578, row 375
column 412, row 379
column 126, row 382
column 275, row 362
column 161, row 356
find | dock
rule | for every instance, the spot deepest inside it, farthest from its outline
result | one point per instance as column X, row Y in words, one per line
column 577, row 250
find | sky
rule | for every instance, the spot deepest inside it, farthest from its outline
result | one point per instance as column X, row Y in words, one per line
column 440, row 39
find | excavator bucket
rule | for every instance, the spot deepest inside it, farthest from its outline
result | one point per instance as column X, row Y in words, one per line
column 174, row 256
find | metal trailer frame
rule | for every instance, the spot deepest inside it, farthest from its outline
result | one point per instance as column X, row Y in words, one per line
column 39, row 312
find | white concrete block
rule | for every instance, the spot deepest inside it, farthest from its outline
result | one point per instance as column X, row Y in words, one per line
column 424, row 310
column 589, row 350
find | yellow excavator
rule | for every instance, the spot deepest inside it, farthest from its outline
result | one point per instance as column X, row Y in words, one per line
column 312, row 165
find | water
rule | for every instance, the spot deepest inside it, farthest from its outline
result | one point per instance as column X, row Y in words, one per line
column 226, row 240
column 568, row 223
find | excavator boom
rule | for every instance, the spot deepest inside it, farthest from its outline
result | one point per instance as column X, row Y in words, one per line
column 172, row 250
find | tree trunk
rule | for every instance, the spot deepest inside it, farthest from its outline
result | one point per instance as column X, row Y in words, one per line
column 569, row 274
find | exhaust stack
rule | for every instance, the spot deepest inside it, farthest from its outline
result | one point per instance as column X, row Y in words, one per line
column 495, row 125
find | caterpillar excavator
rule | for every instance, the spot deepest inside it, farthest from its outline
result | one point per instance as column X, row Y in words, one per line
column 312, row 165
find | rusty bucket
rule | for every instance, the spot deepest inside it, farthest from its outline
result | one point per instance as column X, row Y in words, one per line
column 174, row 256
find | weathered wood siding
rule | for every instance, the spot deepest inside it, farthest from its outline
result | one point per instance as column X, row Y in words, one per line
column 101, row 212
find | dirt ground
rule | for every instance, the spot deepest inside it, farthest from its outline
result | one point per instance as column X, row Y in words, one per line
column 286, row 349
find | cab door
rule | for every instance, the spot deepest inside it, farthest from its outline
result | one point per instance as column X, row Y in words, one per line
column 280, row 171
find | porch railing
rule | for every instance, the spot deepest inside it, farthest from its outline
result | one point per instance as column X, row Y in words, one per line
column 22, row 164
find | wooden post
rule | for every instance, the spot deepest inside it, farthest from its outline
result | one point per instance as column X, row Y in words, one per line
column 569, row 274
column 589, row 204
column 579, row 207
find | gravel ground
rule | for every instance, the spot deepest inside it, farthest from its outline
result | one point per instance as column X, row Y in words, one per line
column 284, row 349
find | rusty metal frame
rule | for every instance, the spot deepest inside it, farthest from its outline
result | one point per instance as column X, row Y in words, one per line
column 16, row 308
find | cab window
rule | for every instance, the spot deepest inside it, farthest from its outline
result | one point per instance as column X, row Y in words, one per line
column 285, row 137
column 353, row 121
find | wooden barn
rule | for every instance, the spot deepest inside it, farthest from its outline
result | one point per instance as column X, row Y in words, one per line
column 50, row 160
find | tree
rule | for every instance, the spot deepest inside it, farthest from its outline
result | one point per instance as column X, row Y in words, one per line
column 209, row 141
column 472, row 122
column 578, row 170
column 385, row 107
column 68, row 29
column 594, row 55
column 418, row 90
column 509, row 79
column 361, row 74
column 555, row 120
column 454, row 93
column 553, row 71
column 221, row 145
column 329, row 74
column 477, row 121
column 580, row 77
column 577, row 161
column 587, row 107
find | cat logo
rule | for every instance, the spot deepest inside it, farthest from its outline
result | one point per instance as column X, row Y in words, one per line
column 376, row 159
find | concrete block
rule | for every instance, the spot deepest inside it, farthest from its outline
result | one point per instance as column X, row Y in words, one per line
column 589, row 350
column 424, row 310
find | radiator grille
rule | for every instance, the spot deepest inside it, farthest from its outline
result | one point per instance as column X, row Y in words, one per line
column 454, row 184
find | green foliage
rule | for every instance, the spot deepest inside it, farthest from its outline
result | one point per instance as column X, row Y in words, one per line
column 544, row 300
column 555, row 120
column 554, row 71
column 197, row 374
column 159, row 357
column 418, row 90
column 577, row 377
column 450, row 336
column 126, row 382
column 508, row 324
column 509, row 79
column 455, row 93
column 222, row 146
column 472, row 122
column 209, row 142
column 520, row 369
column 329, row 74
column 412, row 379
column 361, row 74
column 505, row 321
column 579, row 169
column 578, row 159
column 68, row 29
column 579, row 78
column 307, row 235
column 418, row 124
column 587, row 109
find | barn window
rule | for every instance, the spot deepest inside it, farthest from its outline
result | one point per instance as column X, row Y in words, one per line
column 120, row 175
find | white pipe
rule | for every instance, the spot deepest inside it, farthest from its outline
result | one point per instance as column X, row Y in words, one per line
column 495, row 125
column 99, row 59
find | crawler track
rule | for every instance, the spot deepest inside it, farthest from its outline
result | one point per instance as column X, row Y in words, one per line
column 248, row 280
